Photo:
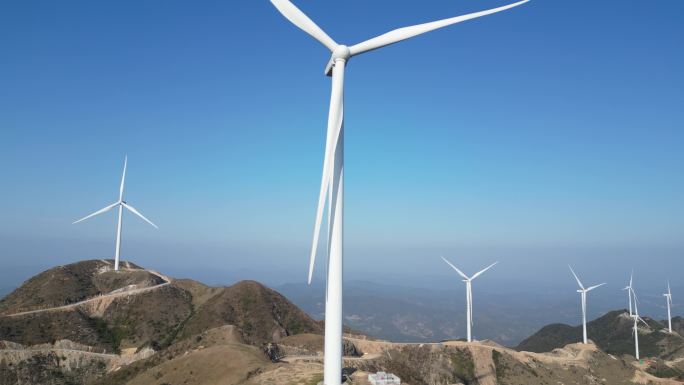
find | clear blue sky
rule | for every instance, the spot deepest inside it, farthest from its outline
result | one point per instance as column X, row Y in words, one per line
column 547, row 134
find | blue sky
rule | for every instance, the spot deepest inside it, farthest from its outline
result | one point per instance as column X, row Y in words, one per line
column 548, row 134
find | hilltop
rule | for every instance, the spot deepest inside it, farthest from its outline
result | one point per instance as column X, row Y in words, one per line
column 64, row 285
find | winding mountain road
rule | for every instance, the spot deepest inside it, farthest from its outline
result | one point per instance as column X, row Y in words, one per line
column 58, row 350
column 111, row 295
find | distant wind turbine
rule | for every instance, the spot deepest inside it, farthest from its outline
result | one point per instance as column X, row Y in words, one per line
column 332, row 181
column 121, row 204
column 635, row 328
column 583, row 292
column 668, row 297
column 629, row 292
column 469, row 293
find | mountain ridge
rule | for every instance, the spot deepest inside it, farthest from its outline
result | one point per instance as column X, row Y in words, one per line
column 613, row 334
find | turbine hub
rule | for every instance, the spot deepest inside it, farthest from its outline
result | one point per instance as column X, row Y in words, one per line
column 341, row 52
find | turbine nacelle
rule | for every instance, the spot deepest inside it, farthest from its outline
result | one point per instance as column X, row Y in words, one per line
column 341, row 52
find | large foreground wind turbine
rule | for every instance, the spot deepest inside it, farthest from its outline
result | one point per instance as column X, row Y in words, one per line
column 121, row 204
column 668, row 297
column 469, row 293
column 332, row 181
column 583, row 292
column 629, row 292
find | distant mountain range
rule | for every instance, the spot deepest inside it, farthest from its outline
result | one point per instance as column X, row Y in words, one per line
column 399, row 313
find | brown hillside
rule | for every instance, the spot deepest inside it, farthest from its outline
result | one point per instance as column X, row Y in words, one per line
column 261, row 314
column 63, row 285
column 152, row 313
column 147, row 319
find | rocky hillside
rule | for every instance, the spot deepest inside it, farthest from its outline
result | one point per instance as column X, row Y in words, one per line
column 476, row 363
column 613, row 334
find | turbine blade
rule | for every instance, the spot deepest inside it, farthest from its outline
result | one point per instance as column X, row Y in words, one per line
column 123, row 179
column 631, row 276
column 335, row 121
column 462, row 274
column 98, row 212
column 644, row 322
column 595, row 286
column 575, row 275
column 400, row 34
column 483, row 270
column 636, row 300
column 298, row 18
column 136, row 212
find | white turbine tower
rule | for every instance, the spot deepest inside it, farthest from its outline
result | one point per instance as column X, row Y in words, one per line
column 121, row 204
column 583, row 293
column 635, row 328
column 668, row 297
column 332, row 181
column 629, row 292
column 469, row 293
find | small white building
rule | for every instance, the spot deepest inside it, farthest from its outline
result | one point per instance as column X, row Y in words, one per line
column 382, row 378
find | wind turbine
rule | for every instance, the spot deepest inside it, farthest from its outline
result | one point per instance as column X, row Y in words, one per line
column 635, row 328
column 668, row 297
column 629, row 292
column 332, row 181
column 583, row 292
column 121, row 204
column 469, row 293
